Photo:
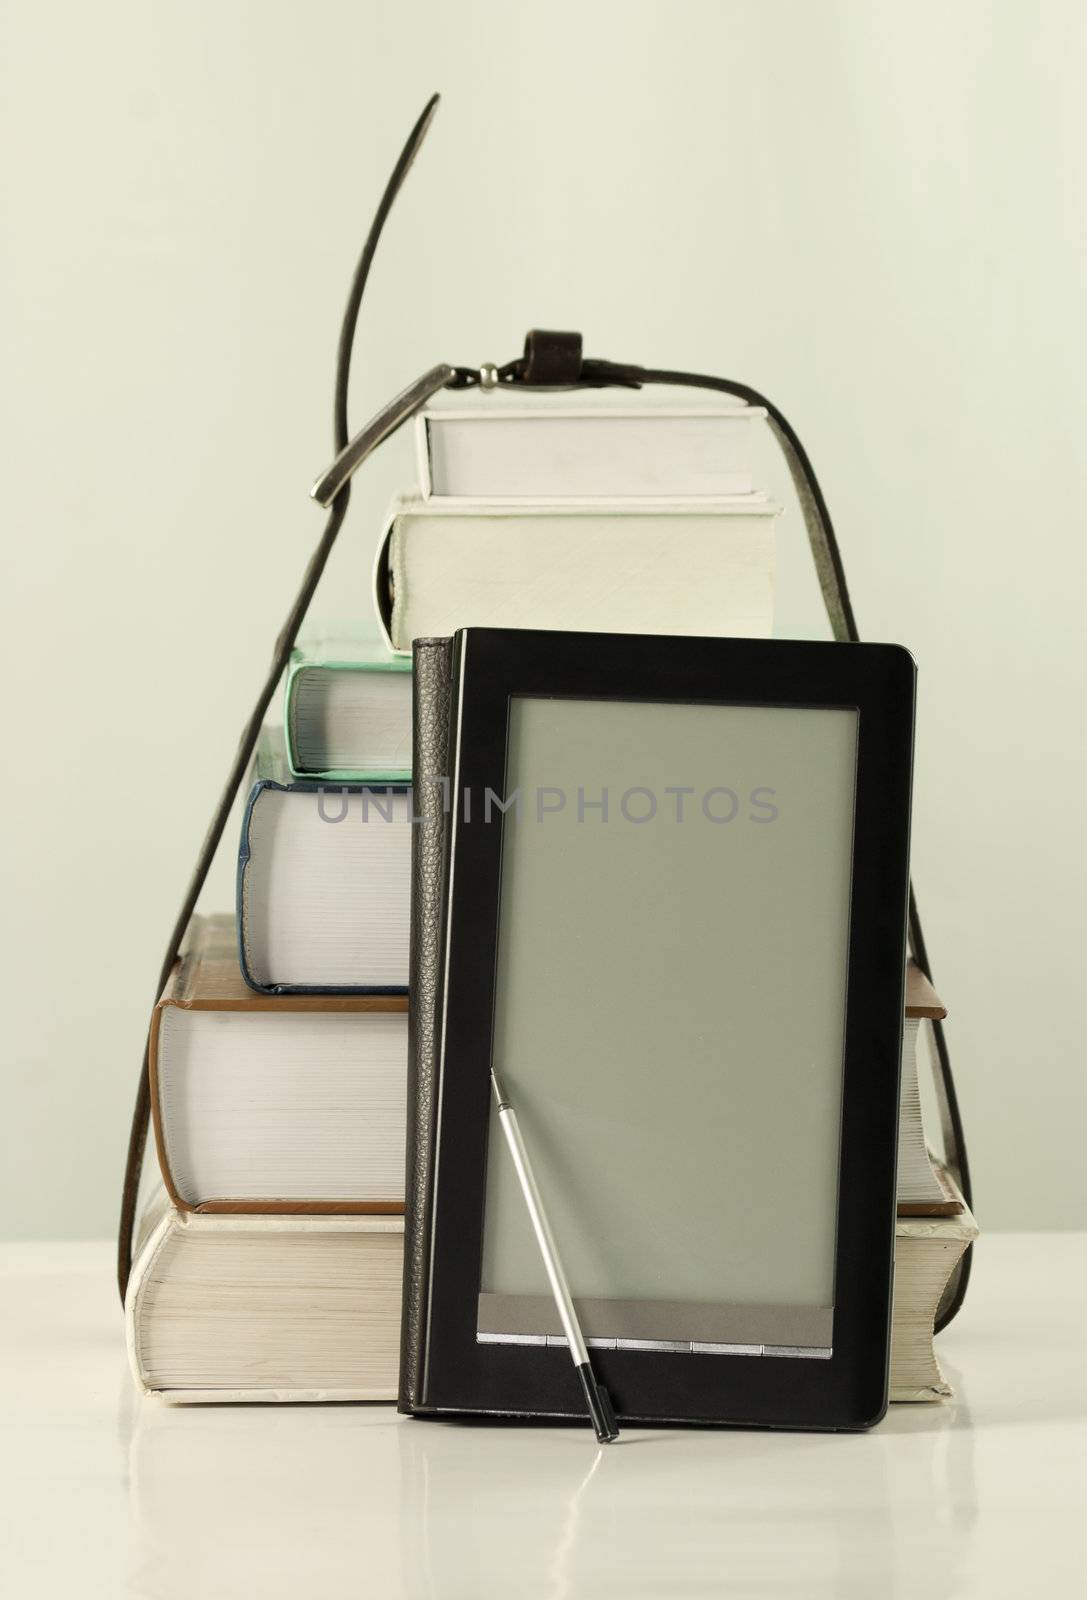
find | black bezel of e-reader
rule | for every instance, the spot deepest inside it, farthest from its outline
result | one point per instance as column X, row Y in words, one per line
column 849, row 1389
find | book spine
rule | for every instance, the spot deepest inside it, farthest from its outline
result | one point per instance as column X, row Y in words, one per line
column 422, row 454
column 430, row 753
column 293, row 671
column 157, row 1123
column 257, row 784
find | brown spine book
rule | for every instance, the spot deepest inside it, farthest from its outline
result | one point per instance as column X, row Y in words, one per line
column 208, row 977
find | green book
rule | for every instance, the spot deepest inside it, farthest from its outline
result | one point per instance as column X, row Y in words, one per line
column 348, row 709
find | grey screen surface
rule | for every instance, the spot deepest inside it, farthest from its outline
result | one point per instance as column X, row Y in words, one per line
column 669, row 1018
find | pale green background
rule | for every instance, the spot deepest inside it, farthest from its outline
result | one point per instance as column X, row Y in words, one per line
column 871, row 210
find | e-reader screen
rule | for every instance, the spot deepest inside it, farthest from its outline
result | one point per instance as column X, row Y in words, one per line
column 670, row 1005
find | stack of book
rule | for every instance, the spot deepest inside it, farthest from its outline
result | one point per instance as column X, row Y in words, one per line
column 934, row 1226
column 269, row 1260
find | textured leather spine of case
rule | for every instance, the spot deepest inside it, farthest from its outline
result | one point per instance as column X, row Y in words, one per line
column 430, row 751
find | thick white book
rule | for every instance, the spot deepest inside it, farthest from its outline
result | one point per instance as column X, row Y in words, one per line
column 697, row 568
column 275, row 1103
column 493, row 452
column 265, row 1308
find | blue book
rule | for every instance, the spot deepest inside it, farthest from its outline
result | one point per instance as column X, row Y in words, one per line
column 323, row 884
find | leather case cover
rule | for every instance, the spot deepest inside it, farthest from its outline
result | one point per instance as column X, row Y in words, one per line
column 430, row 738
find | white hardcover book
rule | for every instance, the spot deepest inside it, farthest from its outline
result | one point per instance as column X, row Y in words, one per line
column 697, row 568
column 266, row 1308
column 275, row 1103
column 323, row 881
column 497, row 453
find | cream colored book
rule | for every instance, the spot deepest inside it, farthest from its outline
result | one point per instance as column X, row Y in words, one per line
column 927, row 1250
column 280, row 1308
column 691, row 567
column 274, row 1308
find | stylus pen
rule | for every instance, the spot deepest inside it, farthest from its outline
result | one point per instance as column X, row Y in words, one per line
column 596, row 1396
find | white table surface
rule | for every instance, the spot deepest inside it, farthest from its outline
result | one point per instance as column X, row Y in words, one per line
column 105, row 1494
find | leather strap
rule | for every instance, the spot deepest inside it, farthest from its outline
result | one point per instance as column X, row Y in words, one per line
column 550, row 360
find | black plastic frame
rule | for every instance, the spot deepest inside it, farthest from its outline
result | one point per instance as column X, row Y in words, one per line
column 848, row 1390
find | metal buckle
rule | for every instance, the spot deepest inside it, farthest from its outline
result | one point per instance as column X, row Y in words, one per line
column 378, row 429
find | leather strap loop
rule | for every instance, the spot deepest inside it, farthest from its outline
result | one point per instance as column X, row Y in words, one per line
column 551, row 360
